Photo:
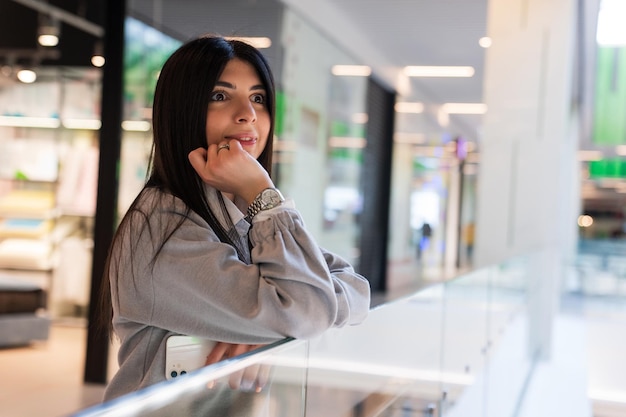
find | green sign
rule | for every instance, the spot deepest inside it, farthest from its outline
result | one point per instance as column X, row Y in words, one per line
column 610, row 97
column 607, row 168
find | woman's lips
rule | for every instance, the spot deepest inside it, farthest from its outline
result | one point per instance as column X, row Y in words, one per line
column 244, row 140
column 247, row 142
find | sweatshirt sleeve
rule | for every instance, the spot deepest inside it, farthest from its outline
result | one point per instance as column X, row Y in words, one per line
column 198, row 286
column 283, row 236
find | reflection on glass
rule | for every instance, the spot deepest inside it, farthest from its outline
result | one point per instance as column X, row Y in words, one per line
column 224, row 389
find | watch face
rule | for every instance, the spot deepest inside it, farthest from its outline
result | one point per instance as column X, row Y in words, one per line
column 270, row 198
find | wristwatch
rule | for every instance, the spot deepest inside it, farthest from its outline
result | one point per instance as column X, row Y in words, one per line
column 267, row 199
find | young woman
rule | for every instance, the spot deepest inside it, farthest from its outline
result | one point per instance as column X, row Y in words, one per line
column 209, row 247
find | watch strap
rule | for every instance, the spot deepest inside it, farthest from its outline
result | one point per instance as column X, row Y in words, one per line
column 258, row 204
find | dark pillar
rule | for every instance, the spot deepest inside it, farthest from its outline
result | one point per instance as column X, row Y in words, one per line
column 106, row 208
column 376, row 185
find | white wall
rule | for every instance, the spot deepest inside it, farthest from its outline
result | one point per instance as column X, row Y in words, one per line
column 527, row 182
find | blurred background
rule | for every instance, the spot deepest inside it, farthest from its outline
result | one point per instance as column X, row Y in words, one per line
column 420, row 140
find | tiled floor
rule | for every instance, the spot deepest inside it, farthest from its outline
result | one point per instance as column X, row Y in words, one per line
column 45, row 378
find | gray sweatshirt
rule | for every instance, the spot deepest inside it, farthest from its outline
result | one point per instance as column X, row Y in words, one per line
column 198, row 286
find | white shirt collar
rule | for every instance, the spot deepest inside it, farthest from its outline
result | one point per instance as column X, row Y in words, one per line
column 235, row 214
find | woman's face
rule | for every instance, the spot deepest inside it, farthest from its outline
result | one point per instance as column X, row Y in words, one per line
column 238, row 109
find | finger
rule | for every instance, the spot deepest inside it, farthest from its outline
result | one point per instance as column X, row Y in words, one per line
column 234, row 144
column 263, row 377
column 218, row 353
column 222, row 146
column 198, row 158
column 236, row 350
column 249, row 377
column 234, row 380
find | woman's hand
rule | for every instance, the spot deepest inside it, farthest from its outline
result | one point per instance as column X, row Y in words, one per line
column 251, row 378
column 230, row 169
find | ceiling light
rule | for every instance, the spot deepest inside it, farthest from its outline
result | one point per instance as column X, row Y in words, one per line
column 48, row 31
column 589, row 155
column 136, row 125
column 351, row 70
column 435, row 71
column 610, row 29
column 21, row 121
column 97, row 59
column 464, row 108
column 26, row 76
column 346, row 142
column 443, row 118
column 485, row 42
column 410, row 138
column 585, row 220
column 259, row 42
column 406, row 107
column 83, row 124
column 360, row 118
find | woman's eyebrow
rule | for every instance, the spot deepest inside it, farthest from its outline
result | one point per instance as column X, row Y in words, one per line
column 225, row 84
column 232, row 86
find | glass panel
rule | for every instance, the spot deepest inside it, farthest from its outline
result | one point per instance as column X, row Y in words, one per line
column 322, row 132
column 464, row 348
column 509, row 361
column 145, row 53
column 389, row 362
column 210, row 391
column 453, row 349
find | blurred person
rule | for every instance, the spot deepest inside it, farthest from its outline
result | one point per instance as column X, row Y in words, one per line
column 425, row 233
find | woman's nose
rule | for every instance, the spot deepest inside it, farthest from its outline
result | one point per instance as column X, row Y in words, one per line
column 246, row 113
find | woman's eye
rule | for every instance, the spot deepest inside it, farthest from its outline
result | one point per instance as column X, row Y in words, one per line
column 258, row 98
column 218, row 96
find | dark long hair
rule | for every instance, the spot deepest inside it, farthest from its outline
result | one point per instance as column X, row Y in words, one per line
column 179, row 118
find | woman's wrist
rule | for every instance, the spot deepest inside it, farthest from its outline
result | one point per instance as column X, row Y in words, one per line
column 253, row 192
column 265, row 200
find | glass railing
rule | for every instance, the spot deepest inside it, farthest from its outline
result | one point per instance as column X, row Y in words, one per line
column 457, row 348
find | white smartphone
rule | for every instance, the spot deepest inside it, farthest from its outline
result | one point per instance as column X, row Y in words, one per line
column 184, row 354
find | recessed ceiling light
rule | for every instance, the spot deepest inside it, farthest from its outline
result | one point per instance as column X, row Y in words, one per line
column 410, row 138
column 26, row 76
column 485, row 42
column 464, row 108
column 97, row 61
column 589, row 155
column 48, row 31
column 610, row 28
column 406, row 107
column 438, row 71
column 346, row 142
column 351, row 70
column 360, row 118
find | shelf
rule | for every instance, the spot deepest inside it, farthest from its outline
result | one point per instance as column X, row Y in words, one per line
column 27, row 254
column 75, row 124
column 28, row 204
